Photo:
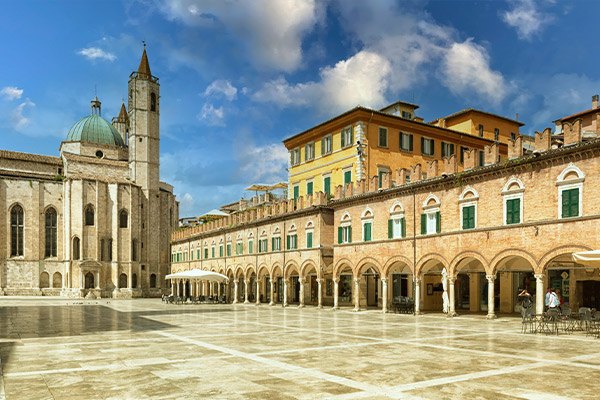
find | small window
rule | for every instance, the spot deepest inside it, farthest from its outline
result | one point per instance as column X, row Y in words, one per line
column 76, row 255
column 152, row 102
column 51, row 233
column 396, row 228
column 295, row 156
column 309, row 240
column 406, row 115
column 496, row 134
column 89, row 216
column 309, row 151
column 140, row 140
column 383, row 137
column 480, row 130
column 276, row 243
column 326, row 145
column 327, row 185
column 123, row 216
column 110, row 250
column 380, row 175
column 309, row 188
column 228, row 249
column 406, row 141
column 447, row 149
column 347, row 136
column 99, row 154
column 427, row 146
column 430, row 223
column 570, row 203
column 16, row 231
column 468, row 217
column 513, row 135
column 367, row 231
column 481, row 158
column 134, row 251
column 463, row 150
column 152, row 281
column 345, row 234
column 513, row 211
column 292, row 242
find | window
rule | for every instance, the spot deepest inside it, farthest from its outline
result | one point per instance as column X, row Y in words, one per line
column 380, row 175
column 512, row 194
column 152, row 102
column 463, row 150
column 347, row 176
column 239, row 248
column 221, row 250
column 198, row 253
column 295, row 156
column 309, row 188
column 134, row 251
column 496, row 134
column 447, row 149
column 309, row 151
column 427, row 146
column 367, row 231
column 262, row 246
column 570, row 203
column 205, row 252
column 296, row 192
column 480, row 130
column 431, row 221
column 481, row 158
column 406, row 115
column 513, row 135
column 51, row 233
column 396, row 223
column 102, row 250
column 89, row 215
column 309, row 240
column 326, row 145
column 16, row 231
column 228, row 249
column 327, row 185
column 276, row 243
column 383, row 137
column 345, row 229
column 251, row 246
column 468, row 217
column 347, row 136
column 212, row 251
column 468, row 207
column 123, row 219
column 110, row 249
column 406, row 141
column 152, row 280
column 292, row 242
column 76, row 253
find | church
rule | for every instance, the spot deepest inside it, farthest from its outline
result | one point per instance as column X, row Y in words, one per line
column 95, row 221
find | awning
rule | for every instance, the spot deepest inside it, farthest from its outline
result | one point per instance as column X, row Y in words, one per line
column 214, row 213
column 198, row 275
column 588, row 258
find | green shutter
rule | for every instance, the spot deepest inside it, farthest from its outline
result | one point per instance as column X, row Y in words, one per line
column 422, row 145
column 574, row 202
column 438, row 222
column 288, row 241
column 402, row 227
column 347, row 177
column 340, row 234
column 410, row 142
column 322, row 146
column 251, row 247
column 220, row 251
column 432, row 147
column 423, row 224
column 273, row 243
column 327, row 185
column 309, row 188
column 351, row 136
column 349, row 234
column 309, row 240
column 465, row 219
column 343, row 139
column 570, row 203
column 367, row 232
column 517, row 211
column 390, row 228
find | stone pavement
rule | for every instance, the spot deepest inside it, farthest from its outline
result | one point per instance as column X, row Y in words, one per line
column 54, row 348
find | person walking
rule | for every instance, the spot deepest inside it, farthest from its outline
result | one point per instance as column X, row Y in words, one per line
column 547, row 299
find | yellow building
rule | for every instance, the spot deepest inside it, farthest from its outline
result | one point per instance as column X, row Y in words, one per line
column 363, row 143
column 482, row 124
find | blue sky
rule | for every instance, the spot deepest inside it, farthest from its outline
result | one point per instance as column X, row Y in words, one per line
column 237, row 77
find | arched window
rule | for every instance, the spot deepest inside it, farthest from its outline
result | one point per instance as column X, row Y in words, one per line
column 134, row 250
column 44, row 280
column 396, row 223
column 123, row 219
column 152, row 102
column 51, row 234
column 570, row 192
column 345, row 229
column 16, row 231
column 122, row 281
column 152, row 280
column 431, row 220
column 89, row 216
column 468, row 208
column 367, row 224
column 102, row 253
column 512, row 194
column 134, row 281
column 57, row 280
column 89, row 280
column 76, row 255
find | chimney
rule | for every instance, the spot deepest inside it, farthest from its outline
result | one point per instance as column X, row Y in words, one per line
column 594, row 101
column 386, row 181
column 373, row 183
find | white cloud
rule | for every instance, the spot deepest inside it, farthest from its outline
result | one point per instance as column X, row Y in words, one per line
column 526, row 18
column 222, row 87
column 361, row 79
column 271, row 29
column 265, row 164
column 466, row 69
column 186, row 204
column 11, row 92
column 18, row 119
column 94, row 53
column 211, row 115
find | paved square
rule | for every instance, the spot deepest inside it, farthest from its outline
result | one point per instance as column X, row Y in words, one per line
column 138, row 349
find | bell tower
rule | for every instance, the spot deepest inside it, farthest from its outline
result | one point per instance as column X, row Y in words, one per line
column 144, row 112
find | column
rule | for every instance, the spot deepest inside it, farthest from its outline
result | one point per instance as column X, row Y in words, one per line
column 272, row 286
column 235, row 292
column 96, row 278
column 418, row 295
column 285, row 290
column 203, row 288
column 336, row 289
column 197, row 288
column 129, row 277
column 301, row 282
column 491, row 314
column 539, row 293
column 185, row 291
column 320, row 293
column 384, row 292
column 452, row 310
column 246, row 291
column 257, row 291
column 356, row 294
column 172, row 288
column 81, row 279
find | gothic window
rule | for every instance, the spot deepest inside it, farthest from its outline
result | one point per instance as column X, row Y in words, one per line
column 44, row 280
column 134, row 281
column 123, row 219
column 89, row 216
column 76, row 248
column 134, row 250
column 57, row 280
column 110, row 249
column 152, row 280
column 102, row 254
column 16, row 231
column 89, row 280
column 51, row 234
column 152, row 102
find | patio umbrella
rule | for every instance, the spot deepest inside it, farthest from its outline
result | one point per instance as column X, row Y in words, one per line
column 587, row 258
column 196, row 274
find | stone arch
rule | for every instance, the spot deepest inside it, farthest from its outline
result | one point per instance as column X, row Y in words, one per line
column 291, row 265
column 309, row 224
column 44, row 280
column 249, row 270
column 340, row 265
column 431, row 201
column 262, row 269
column 452, row 270
column 57, row 280
column 230, row 271
column 346, row 217
column 557, row 252
column 396, row 208
column 307, row 266
column 367, row 213
column 276, row 268
column 511, row 182
column 430, row 257
column 511, row 253
column 362, row 264
column 569, row 170
column 389, row 264
column 239, row 271
column 466, row 191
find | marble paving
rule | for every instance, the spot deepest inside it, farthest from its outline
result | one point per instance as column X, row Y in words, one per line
column 52, row 348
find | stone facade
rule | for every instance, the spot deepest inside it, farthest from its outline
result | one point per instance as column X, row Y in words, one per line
column 92, row 221
column 491, row 230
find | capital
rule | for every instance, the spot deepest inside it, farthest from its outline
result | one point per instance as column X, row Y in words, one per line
column 384, row 280
column 320, row 280
column 356, row 280
column 336, row 280
column 490, row 278
column 539, row 277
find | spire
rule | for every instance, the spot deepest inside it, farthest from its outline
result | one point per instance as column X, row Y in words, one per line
column 144, row 68
column 96, row 104
column 123, row 114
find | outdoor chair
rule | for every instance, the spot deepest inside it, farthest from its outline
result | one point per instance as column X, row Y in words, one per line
column 528, row 323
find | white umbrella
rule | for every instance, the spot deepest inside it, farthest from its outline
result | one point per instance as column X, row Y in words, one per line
column 588, row 258
column 196, row 274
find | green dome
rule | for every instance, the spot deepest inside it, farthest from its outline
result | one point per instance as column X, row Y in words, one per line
column 95, row 129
